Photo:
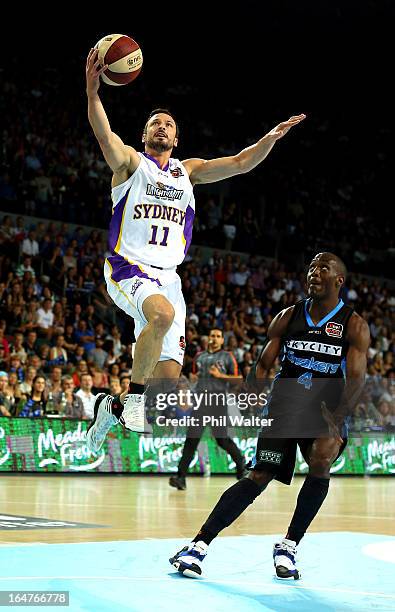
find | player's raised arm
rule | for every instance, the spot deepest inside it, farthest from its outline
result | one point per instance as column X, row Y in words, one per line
column 210, row 171
column 119, row 156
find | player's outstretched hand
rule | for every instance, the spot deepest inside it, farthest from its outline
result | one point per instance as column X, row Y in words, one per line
column 93, row 72
column 282, row 128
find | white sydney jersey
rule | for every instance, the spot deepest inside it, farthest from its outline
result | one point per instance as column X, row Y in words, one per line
column 153, row 214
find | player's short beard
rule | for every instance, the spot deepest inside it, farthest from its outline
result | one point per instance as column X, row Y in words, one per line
column 159, row 147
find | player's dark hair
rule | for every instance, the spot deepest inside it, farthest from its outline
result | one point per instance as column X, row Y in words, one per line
column 165, row 111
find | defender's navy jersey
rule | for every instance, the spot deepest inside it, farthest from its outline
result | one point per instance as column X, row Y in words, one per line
column 313, row 357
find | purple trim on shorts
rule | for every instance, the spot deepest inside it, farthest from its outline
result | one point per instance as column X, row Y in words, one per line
column 188, row 226
column 122, row 269
column 116, row 222
column 148, row 156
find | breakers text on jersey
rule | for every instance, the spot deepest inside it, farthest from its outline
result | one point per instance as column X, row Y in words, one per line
column 312, row 364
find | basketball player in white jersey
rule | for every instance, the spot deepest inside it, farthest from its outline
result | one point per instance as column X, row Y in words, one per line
column 150, row 232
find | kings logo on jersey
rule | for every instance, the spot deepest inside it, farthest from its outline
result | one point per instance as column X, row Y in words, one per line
column 334, row 329
column 176, row 172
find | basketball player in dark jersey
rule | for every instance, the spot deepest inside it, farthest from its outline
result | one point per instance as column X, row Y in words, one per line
column 323, row 346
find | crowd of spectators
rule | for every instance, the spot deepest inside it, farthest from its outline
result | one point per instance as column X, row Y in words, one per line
column 306, row 199
column 62, row 340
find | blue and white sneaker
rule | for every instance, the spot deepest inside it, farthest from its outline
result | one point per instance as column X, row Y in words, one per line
column 188, row 561
column 101, row 423
column 284, row 554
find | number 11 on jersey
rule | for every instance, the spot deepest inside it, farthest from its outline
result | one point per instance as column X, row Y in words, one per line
column 154, row 234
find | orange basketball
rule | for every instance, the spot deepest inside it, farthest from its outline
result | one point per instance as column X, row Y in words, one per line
column 122, row 55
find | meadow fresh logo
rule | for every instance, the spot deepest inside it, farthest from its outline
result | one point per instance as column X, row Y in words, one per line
column 68, row 450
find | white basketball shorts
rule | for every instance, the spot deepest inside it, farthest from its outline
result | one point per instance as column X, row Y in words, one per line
column 129, row 284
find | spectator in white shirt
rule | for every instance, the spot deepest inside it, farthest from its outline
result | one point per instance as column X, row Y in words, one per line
column 30, row 245
column 45, row 318
column 86, row 395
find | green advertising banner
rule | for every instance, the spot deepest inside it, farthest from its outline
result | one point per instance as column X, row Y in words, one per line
column 58, row 445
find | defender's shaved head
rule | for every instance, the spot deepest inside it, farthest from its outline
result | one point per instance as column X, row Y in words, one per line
column 339, row 263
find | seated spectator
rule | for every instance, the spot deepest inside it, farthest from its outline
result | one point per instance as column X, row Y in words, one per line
column 115, row 386
column 86, row 395
column 43, row 353
column 58, row 354
column 26, row 386
column 16, row 366
column 385, row 411
column 98, row 355
column 17, row 348
column 4, row 361
column 25, row 266
column 74, row 408
column 78, row 355
column 30, row 246
column 124, row 381
column 69, row 343
column 99, row 380
column 126, row 359
column 35, row 405
column 7, row 401
column 54, row 384
column 85, row 336
column 14, row 387
column 45, row 319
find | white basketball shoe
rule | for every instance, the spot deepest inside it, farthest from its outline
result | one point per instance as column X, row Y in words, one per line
column 284, row 555
column 188, row 561
column 133, row 415
column 101, row 423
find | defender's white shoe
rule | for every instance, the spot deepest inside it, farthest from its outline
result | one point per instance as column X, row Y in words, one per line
column 101, row 423
column 133, row 415
column 284, row 554
column 188, row 561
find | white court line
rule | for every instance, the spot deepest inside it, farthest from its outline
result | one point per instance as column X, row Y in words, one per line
column 204, row 580
column 104, row 505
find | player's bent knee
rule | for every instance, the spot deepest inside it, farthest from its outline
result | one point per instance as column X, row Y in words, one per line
column 260, row 477
column 320, row 466
column 160, row 313
column 162, row 320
